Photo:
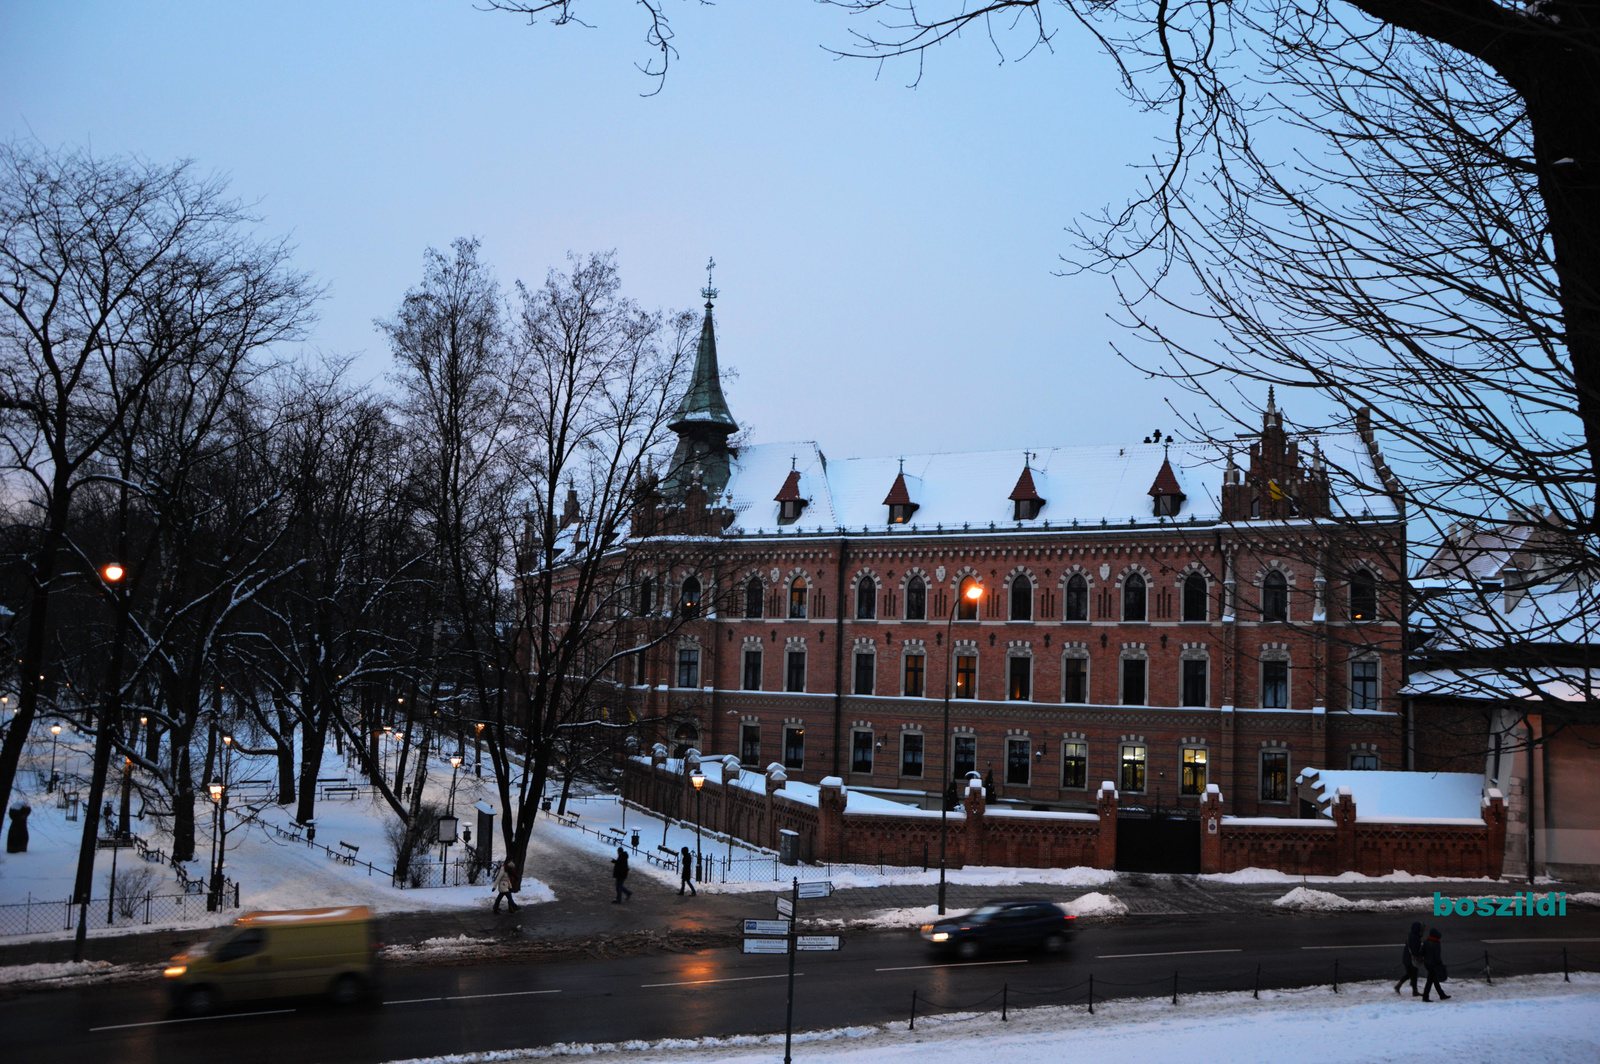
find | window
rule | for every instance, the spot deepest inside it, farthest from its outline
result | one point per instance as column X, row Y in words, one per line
column 689, row 604
column 1019, row 679
column 1133, row 681
column 1074, row 765
column 794, row 674
column 244, row 944
column 1075, row 680
column 1274, row 685
column 1022, row 599
column 1194, row 597
column 866, row 599
column 861, row 751
column 750, row 744
column 1133, row 759
column 642, row 675
column 911, row 754
column 688, row 667
column 1194, row 682
column 1363, row 685
column 752, row 670
column 794, row 747
column 1194, row 770
column 913, row 683
column 1167, row 505
column 866, row 673
column 1076, row 606
column 900, row 512
column 916, row 599
column 1133, row 598
column 753, row 594
column 797, row 598
column 1363, row 596
column 966, row 608
column 1026, row 509
column 1018, row 753
column 1274, row 775
column 966, row 676
column 1274, row 597
column 646, row 597
column 1363, row 761
column 965, row 757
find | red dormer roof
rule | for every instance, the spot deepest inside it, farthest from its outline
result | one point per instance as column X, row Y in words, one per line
column 1166, row 481
column 898, row 495
column 1025, row 491
column 790, row 492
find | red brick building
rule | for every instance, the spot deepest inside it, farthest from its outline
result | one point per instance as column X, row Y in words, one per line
column 1162, row 615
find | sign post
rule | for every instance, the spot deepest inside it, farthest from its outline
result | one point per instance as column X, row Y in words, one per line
column 788, row 1019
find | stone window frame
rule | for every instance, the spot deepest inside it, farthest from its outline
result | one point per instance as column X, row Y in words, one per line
column 1120, row 585
column 1193, row 652
column 927, row 586
column 863, row 727
column 964, row 648
column 788, row 595
column 1073, row 739
column 752, row 644
column 1290, row 585
column 855, row 589
column 1184, row 575
column 688, row 643
column 744, row 587
column 1365, row 750
column 793, row 725
column 749, row 720
column 863, row 647
column 1017, row 649
column 962, row 731
column 1364, row 657
column 795, row 644
column 1009, row 583
column 1016, row 736
column 1193, row 742
column 1077, row 650
column 1124, row 744
column 1132, row 652
column 1088, row 593
column 1361, row 565
column 1275, row 746
column 1274, row 652
column 959, row 577
column 922, row 736
column 913, row 648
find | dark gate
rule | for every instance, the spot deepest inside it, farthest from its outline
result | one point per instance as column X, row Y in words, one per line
column 1157, row 844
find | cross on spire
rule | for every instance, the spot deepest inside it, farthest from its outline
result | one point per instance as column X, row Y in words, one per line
column 709, row 292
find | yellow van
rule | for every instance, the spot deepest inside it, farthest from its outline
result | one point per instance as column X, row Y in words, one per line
column 279, row 954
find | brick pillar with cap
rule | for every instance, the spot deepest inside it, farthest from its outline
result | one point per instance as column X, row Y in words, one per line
column 1105, row 803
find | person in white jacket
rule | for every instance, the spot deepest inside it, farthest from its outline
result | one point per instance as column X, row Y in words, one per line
column 504, row 886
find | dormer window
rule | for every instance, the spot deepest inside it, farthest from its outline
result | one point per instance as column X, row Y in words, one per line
column 899, row 501
column 1026, row 502
column 789, row 509
column 900, row 512
column 1166, row 492
column 790, row 502
column 1026, row 509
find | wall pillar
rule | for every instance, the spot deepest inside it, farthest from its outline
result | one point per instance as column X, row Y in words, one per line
column 973, row 803
column 830, row 819
column 1344, row 832
column 1211, row 830
column 767, row 830
column 1494, row 815
column 1105, row 801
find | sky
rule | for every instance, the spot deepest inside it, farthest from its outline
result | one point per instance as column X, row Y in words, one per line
column 888, row 257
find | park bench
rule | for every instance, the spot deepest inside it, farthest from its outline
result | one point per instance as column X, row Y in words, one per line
column 348, row 858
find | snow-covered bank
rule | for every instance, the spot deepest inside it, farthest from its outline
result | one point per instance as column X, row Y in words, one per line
column 1537, row 1019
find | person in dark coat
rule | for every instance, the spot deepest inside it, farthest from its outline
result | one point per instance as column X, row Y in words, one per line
column 619, row 872
column 1411, row 956
column 685, row 867
column 1433, row 961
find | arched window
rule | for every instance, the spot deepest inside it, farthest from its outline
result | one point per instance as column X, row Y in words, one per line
column 753, row 593
column 1363, row 596
column 967, row 608
column 1077, row 603
column 646, row 597
column 1022, row 599
column 866, row 599
column 916, row 599
column 797, row 598
column 1133, row 598
column 685, row 737
column 1274, row 597
column 1194, row 597
column 690, row 603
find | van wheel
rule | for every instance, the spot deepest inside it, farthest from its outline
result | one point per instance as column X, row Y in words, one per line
column 347, row 990
column 968, row 949
column 200, row 1001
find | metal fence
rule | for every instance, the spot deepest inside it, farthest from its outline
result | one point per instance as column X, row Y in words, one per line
column 465, row 872
column 40, row 917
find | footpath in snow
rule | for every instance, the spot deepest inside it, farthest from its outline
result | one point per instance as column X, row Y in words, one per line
column 1533, row 1019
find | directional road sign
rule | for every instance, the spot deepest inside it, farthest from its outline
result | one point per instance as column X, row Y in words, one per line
column 766, row 945
column 816, row 942
column 785, row 909
column 817, row 889
column 766, row 927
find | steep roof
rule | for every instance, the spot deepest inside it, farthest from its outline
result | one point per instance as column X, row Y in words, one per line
column 1166, row 480
column 703, row 403
column 898, row 495
column 1025, row 489
column 790, row 492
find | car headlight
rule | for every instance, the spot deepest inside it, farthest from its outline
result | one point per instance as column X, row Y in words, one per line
column 941, row 936
column 175, row 971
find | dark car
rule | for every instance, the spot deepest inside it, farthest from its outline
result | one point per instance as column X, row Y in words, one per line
column 1000, row 926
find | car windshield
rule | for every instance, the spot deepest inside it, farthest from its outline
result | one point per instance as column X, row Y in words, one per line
column 983, row 914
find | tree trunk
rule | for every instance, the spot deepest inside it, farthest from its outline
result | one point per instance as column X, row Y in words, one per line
column 183, row 799
column 285, row 738
column 31, row 663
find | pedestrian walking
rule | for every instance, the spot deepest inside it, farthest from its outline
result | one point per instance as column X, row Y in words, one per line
column 505, row 886
column 1433, row 961
column 685, row 867
column 619, row 872
column 1411, row 957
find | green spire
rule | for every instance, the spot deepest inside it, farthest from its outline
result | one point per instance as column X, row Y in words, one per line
column 703, row 402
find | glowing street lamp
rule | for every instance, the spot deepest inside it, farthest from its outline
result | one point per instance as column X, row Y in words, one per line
column 55, row 733
column 477, row 750
column 698, row 778
column 214, row 897
column 113, row 573
column 973, row 593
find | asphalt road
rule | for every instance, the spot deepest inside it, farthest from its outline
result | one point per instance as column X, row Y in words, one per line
column 503, row 1005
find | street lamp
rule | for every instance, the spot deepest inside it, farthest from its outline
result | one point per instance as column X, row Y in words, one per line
column 214, row 897
column 477, row 748
column 55, row 733
column 974, row 592
column 698, row 778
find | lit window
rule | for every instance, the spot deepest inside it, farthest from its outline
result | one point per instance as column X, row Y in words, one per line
column 866, row 599
column 794, row 747
column 794, row 678
column 1019, row 679
column 916, row 599
column 967, row 607
column 1133, row 598
column 861, row 751
column 1133, row 763
column 966, row 676
column 911, row 754
column 1018, row 760
column 690, row 603
column 797, row 598
column 1194, row 597
column 1194, row 769
column 1274, row 597
column 1274, row 775
column 1022, row 599
column 1074, row 765
column 1363, row 596
column 913, row 685
column 1077, row 601
column 866, row 673
column 1274, row 685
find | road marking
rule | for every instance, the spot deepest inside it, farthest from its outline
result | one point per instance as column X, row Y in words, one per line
column 508, row 993
column 1174, row 953
column 739, row 979
column 1375, row 945
column 412, row 1001
column 1539, row 940
column 959, row 964
column 190, row 1019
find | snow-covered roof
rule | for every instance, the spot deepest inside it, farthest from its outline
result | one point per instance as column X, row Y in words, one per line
column 1381, row 795
column 971, row 489
column 1565, row 685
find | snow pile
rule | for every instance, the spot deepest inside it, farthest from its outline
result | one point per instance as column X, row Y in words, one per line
column 1585, row 897
column 438, row 947
column 1536, row 1018
column 1304, row 899
column 62, row 973
column 1253, row 875
column 1095, row 904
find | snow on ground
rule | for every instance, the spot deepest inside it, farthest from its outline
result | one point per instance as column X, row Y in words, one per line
column 1272, row 875
column 1304, row 899
column 64, row 973
column 1091, row 906
column 1538, row 1019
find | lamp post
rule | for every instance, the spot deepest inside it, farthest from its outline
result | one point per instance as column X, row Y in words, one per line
column 214, row 895
column 55, row 733
column 974, row 593
column 477, row 750
column 699, row 780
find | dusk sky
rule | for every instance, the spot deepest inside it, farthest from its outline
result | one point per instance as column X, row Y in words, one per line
column 887, row 256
